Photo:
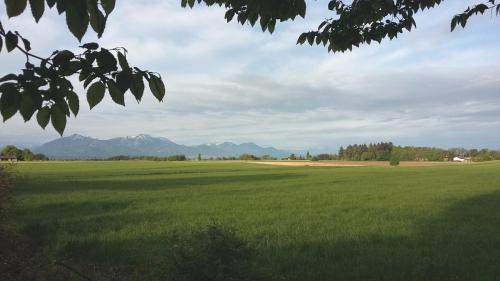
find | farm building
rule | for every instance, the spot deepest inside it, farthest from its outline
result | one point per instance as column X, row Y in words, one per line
column 8, row 158
column 460, row 159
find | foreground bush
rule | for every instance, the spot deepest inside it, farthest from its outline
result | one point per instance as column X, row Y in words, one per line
column 394, row 160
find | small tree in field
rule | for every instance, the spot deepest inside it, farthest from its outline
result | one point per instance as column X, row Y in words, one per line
column 28, row 155
column 394, row 160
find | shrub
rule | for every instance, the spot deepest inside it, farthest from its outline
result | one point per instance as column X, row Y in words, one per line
column 210, row 254
column 40, row 157
column 246, row 156
column 394, row 160
column 179, row 157
column 325, row 156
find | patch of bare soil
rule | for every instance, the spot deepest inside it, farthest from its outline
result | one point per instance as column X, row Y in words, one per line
column 352, row 163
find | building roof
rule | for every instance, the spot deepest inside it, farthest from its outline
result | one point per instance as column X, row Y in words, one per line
column 7, row 157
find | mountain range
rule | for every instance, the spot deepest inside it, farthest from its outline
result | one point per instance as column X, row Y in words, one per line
column 82, row 147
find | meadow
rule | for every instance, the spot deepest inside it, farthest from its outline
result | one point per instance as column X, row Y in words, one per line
column 302, row 223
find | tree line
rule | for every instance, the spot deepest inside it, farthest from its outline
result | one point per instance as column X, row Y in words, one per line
column 363, row 152
column 383, row 151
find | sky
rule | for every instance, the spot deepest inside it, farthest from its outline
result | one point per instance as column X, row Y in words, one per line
column 227, row 82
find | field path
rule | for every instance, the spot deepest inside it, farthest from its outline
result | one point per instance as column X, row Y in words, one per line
column 352, row 163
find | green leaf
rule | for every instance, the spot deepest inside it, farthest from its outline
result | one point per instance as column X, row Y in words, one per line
column 8, row 77
column 15, row 7
column 228, row 16
column 27, row 44
column 63, row 84
column 137, row 86
column 61, row 6
column 331, row 5
column 123, row 80
column 90, row 46
column 37, row 8
column 123, row 61
column 264, row 20
column 9, row 101
column 43, row 116
column 157, row 87
column 90, row 57
column 116, row 94
column 58, row 119
column 88, row 80
column 63, row 57
column 97, row 19
column 63, row 106
column 28, row 106
column 95, row 94
column 454, row 22
column 108, row 6
column 73, row 102
column 106, row 61
column 71, row 68
column 8, row 112
column 51, row 3
column 301, row 8
column 302, row 38
column 271, row 25
column 10, row 41
column 77, row 18
column 84, row 74
column 310, row 38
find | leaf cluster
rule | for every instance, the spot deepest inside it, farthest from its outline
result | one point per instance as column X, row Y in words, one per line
column 352, row 23
column 364, row 22
column 265, row 12
column 461, row 19
column 79, row 13
column 45, row 89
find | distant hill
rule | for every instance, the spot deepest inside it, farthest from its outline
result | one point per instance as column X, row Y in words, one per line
column 81, row 147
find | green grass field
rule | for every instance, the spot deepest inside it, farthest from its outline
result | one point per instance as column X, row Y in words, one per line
column 304, row 223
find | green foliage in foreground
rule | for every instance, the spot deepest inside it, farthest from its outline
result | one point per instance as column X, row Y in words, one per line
column 301, row 223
